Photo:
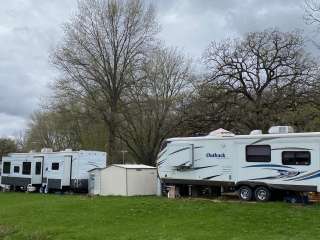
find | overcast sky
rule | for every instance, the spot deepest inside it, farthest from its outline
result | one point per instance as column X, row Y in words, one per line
column 30, row 28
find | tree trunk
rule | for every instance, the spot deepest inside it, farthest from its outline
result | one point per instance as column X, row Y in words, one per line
column 112, row 130
column 111, row 144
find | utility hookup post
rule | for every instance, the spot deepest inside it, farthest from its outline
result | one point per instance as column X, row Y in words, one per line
column 123, row 153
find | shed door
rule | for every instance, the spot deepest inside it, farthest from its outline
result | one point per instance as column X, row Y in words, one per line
column 93, row 187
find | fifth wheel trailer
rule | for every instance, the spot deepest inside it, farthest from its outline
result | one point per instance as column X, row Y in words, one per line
column 47, row 170
column 255, row 165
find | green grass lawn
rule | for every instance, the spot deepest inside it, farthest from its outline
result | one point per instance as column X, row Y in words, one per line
column 35, row 216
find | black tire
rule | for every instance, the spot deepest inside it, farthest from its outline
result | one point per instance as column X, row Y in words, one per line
column 262, row 194
column 245, row 193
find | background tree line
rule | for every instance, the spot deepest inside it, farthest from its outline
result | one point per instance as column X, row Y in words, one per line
column 121, row 88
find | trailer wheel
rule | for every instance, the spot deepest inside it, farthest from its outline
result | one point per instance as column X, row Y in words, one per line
column 262, row 194
column 245, row 193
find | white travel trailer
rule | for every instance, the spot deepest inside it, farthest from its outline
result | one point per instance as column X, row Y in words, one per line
column 47, row 170
column 255, row 165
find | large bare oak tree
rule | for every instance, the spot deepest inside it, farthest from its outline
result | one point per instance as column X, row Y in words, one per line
column 269, row 70
column 104, row 46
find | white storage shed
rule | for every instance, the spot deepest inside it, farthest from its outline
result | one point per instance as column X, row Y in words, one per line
column 123, row 180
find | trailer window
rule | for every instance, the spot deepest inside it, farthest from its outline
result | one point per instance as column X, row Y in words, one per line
column 26, row 168
column 16, row 169
column 6, row 167
column 164, row 145
column 38, row 168
column 258, row 153
column 55, row 166
column 296, row 158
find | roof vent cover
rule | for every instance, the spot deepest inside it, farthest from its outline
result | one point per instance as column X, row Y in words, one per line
column 256, row 132
column 280, row 130
column 46, row 150
column 221, row 133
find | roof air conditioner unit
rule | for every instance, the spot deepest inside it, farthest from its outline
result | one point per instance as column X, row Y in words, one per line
column 280, row 130
column 46, row 150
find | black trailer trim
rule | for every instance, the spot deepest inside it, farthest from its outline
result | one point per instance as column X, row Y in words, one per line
column 79, row 184
column 42, row 167
column 204, row 182
column 54, row 183
column 284, row 187
column 15, row 181
column 71, row 162
column 197, row 182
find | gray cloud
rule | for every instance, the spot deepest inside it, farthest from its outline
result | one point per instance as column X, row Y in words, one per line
column 30, row 28
column 193, row 24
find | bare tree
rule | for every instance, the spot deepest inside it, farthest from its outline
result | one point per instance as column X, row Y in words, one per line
column 152, row 113
column 54, row 130
column 312, row 11
column 6, row 146
column 269, row 69
column 104, row 46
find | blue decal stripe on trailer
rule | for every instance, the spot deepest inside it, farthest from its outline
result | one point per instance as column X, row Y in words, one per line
column 197, row 168
column 267, row 165
column 266, row 178
column 292, row 148
column 307, row 176
column 263, row 139
column 310, row 177
column 210, row 177
column 182, row 149
column 182, row 164
column 282, row 174
column 162, row 161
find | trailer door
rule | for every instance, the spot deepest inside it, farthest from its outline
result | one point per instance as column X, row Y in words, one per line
column 36, row 170
column 67, row 166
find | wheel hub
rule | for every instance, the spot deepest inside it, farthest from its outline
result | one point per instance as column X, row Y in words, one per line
column 244, row 194
column 262, row 195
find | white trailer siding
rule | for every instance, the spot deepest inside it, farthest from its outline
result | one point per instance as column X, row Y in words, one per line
column 212, row 160
column 275, row 172
column 16, row 175
column 58, row 170
column 223, row 160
